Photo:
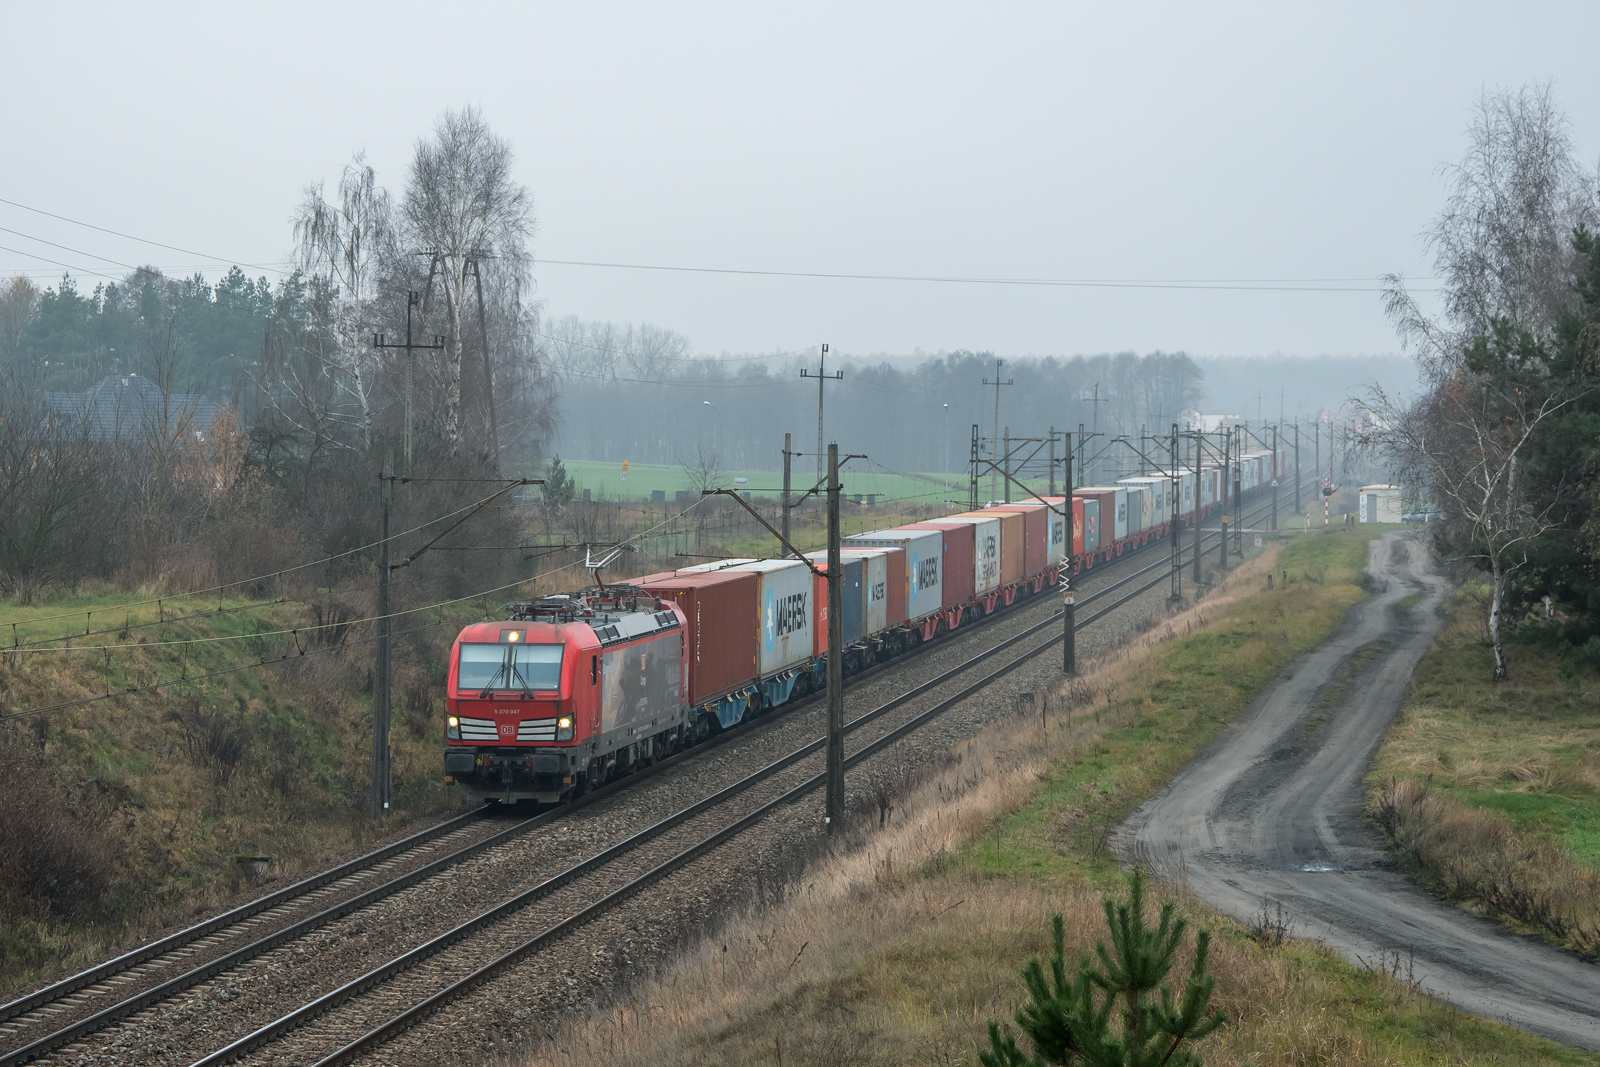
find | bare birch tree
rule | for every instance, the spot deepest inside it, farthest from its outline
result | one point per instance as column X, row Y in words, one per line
column 1503, row 249
column 345, row 243
column 463, row 207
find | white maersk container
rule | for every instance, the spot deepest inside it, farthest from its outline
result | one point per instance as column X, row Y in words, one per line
column 1138, row 506
column 1157, row 504
column 985, row 553
column 784, row 601
column 924, row 551
column 875, row 577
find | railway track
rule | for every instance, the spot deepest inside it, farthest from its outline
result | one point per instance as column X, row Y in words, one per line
column 364, row 1011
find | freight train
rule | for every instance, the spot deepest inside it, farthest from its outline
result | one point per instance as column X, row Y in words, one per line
column 570, row 691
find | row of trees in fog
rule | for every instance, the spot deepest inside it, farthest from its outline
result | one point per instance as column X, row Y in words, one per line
column 1505, row 436
column 304, row 408
column 649, row 401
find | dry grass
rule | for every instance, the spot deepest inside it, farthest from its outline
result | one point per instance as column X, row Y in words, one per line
column 1492, row 792
column 898, row 947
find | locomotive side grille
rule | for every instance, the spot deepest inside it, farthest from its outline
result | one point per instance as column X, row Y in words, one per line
column 479, row 730
column 536, row 730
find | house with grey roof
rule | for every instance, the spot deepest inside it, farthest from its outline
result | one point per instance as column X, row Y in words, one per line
column 127, row 407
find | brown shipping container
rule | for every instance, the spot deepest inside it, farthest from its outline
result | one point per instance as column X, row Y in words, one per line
column 1035, row 537
column 722, row 616
column 957, row 558
column 1013, row 552
column 897, row 586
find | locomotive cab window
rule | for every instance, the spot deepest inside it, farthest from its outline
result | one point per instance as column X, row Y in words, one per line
column 509, row 667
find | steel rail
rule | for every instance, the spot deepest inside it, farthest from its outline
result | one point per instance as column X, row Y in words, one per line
column 381, row 974
column 101, row 972
column 162, row 991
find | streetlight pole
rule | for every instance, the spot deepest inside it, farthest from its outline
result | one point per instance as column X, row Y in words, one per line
column 713, row 408
column 945, row 472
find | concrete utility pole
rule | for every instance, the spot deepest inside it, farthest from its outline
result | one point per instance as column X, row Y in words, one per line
column 1095, row 428
column 821, row 376
column 412, row 301
column 380, row 675
column 1297, row 510
column 1222, row 491
column 997, row 383
column 783, row 550
column 1199, row 457
column 1053, row 468
column 1006, row 461
column 1069, row 594
column 1175, row 490
column 1238, row 494
column 835, row 802
column 1275, row 473
column 972, row 464
column 488, row 369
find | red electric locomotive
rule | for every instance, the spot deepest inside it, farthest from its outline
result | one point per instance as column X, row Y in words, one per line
column 565, row 693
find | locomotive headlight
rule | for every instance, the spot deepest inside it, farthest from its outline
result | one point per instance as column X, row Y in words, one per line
column 564, row 728
column 452, row 728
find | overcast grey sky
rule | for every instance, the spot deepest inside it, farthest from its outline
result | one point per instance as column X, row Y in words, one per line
column 1060, row 141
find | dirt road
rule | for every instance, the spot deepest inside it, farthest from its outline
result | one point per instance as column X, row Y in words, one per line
column 1271, row 812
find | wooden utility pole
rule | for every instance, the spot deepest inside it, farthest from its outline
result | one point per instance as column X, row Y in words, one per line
column 783, row 550
column 380, row 676
column 412, row 300
column 835, row 802
column 822, row 376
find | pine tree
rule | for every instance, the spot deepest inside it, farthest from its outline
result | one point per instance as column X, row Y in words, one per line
column 1068, row 1027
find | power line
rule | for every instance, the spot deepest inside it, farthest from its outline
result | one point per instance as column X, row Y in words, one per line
column 141, row 240
column 57, row 262
column 1243, row 285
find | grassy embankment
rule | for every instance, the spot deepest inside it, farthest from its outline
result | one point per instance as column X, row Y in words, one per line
column 1491, row 792
column 123, row 817
column 898, row 950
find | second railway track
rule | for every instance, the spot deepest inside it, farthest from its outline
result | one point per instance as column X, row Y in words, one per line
column 594, row 850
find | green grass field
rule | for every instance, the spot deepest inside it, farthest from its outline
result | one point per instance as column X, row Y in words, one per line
column 643, row 478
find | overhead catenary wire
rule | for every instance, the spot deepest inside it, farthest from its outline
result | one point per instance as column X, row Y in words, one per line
column 263, row 577
column 311, row 628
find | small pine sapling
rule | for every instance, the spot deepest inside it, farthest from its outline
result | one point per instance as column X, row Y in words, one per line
column 1069, row 1027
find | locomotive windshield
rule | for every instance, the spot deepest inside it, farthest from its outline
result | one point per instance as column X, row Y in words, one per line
column 490, row 667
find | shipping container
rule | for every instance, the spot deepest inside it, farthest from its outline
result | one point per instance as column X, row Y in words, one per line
column 922, row 560
column 1138, row 510
column 1091, row 523
column 956, row 566
column 1113, row 513
column 720, row 612
column 874, row 587
column 1156, row 508
column 985, row 551
column 1042, row 534
column 717, row 565
column 851, row 594
column 1013, row 538
column 785, row 609
column 1077, row 526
